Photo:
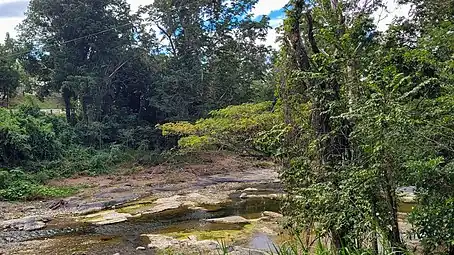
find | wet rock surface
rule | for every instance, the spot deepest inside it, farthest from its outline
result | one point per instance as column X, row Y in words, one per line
column 237, row 250
column 161, row 242
column 192, row 244
column 106, row 217
column 229, row 220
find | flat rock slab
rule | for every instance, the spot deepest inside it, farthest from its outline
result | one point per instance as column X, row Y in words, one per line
column 264, row 196
column 36, row 225
column 162, row 242
column 272, row 215
column 246, row 251
column 229, row 220
column 106, row 217
column 97, row 206
column 29, row 223
column 191, row 200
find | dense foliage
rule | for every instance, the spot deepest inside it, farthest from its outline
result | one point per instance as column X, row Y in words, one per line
column 380, row 111
column 9, row 73
column 168, row 61
column 119, row 74
column 358, row 112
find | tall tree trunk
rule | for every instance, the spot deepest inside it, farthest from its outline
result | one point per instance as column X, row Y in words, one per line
column 84, row 103
column 391, row 198
column 374, row 240
column 66, row 93
column 451, row 250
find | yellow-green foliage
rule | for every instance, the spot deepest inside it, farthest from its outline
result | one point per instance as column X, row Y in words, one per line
column 195, row 142
column 178, row 128
column 235, row 127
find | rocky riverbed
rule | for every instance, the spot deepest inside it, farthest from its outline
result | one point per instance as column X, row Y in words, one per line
column 145, row 214
column 225, row 202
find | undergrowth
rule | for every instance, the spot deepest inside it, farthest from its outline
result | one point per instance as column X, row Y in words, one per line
column 36, row 147
column 28, row 182
column 18, row 185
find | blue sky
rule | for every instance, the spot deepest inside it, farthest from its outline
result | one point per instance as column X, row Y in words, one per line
column 12, row 13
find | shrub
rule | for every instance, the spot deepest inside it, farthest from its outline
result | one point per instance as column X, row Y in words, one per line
column 26, row 137
column 237, row 128
column 18, row 185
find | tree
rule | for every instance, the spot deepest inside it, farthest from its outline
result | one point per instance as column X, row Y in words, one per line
column 373, row 100
column 212, row 58
column 325, row 44
column 81, row 45
column 9, row 75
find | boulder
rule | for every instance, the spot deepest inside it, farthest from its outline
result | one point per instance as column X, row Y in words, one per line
column 161, row 242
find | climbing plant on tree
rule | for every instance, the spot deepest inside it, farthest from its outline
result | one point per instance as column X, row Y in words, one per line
column 9, row 74
column 327, row 45
column 372, row 99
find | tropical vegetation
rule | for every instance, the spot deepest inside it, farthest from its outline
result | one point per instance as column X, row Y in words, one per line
column 350, row 111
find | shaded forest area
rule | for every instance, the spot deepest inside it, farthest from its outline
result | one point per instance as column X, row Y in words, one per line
column 350, row 112
column 119, row 74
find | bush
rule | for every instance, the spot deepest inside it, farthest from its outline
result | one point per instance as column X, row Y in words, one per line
column 26, row 136
column 17, row 185
column 86, row 161
column 433, row 217
column 237, row 128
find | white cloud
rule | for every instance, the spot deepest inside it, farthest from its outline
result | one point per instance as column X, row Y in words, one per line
column 276, row 22
column 264, row 7
column 8, row 25
column 271, row 39
column 7, row 1
column 136, row 3
column 384, row 17
column 273, row 34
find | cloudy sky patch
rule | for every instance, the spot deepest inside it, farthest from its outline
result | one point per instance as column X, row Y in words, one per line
column 13, row 9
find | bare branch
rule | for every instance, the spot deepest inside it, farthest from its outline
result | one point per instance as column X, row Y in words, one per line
column 172, row 45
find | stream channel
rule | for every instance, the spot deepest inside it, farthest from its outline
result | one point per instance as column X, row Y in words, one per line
column 67, row 236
